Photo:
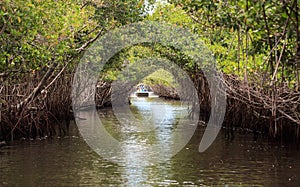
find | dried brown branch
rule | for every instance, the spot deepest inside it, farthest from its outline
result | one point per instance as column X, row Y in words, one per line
column 38, row 88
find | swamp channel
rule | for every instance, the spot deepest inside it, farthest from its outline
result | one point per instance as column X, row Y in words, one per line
column 69, row 161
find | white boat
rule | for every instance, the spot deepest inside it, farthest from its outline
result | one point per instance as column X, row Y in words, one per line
column 145, row 94
column 143, row 91
column 142, row 94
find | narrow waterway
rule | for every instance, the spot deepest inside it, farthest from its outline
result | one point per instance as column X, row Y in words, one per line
column 69, row 161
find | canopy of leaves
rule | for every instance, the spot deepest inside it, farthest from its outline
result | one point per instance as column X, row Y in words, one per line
column 248, row 37
column 37, row 33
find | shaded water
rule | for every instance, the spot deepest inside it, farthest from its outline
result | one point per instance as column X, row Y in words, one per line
column 69, row 161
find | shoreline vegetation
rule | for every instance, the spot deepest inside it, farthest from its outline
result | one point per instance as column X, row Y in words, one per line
column 256, row 46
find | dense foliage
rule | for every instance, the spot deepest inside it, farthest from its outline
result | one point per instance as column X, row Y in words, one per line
column 41, row 43
column 248, row 38
column 257, row 43
column 36, row 33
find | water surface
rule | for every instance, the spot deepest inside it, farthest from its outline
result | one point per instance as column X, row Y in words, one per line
column 69, row 161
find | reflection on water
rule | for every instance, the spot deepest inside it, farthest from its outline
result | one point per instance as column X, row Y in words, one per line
column 70, row 162
column 161, row 133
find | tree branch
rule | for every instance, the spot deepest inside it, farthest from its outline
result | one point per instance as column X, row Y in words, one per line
column 85, row 45
column 37, row 89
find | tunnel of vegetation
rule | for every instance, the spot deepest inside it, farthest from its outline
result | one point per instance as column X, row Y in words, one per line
column 256, row 46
